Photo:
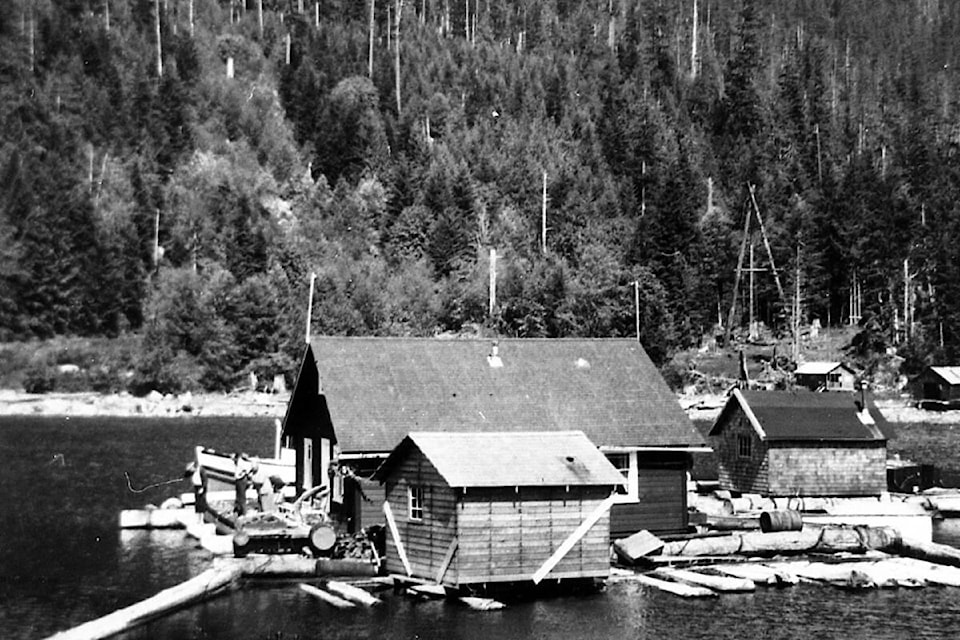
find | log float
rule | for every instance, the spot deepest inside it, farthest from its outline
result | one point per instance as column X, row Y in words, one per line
column 326, row 596
column 482, row 604
column 722, row 584
column 211, row 581
column 758, row 573
column 676, row 588
column 352, row 593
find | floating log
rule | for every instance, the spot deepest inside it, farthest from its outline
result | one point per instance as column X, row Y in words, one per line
column 828, row 539
column 208, row 583
column 732, row 523
column 326, row 596
column 758, row 573
column 929, row 572
column 716, row 583
column 428, row 590
column 930, row 551
column 676, row 588
column 482, row 604
column 352, row 593
column 152, row 518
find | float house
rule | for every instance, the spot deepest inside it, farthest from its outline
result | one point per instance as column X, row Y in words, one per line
column 378, row 390
column 476, row 508
column 784, row 443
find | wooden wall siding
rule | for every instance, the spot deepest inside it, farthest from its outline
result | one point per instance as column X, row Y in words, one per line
column 424, row 541
column 748, row 475
column 506, row 535
column 827, row 469
column 661, row 506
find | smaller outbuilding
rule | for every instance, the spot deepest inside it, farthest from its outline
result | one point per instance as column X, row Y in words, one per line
column 783, row 443
column 825, row 376
column 473, row 509
column 937, row 388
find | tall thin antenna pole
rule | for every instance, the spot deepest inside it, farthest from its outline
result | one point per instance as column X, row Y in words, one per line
column 313, row 278
column 636, row 306
column 543, row 217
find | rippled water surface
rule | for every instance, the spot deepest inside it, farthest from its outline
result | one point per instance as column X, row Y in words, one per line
column 63, row 561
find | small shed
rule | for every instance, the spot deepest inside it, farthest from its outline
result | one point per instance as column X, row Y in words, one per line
column 825, row 376
column 474, row 508
column 938, row 386
column 782, row 443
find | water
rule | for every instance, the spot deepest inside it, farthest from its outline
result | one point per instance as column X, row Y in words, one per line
column 63, row 562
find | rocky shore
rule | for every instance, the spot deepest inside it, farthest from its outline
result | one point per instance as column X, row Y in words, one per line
column 703, row 407
column 237, row 404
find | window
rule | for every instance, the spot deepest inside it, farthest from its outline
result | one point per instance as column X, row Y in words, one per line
column 415, row 503
column 744, row 446
column 622, row 463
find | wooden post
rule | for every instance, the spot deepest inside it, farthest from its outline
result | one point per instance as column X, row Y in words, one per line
column 573, row 538
column 392, row 525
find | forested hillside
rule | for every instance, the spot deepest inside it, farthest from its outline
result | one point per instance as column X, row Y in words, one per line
column 176, row 170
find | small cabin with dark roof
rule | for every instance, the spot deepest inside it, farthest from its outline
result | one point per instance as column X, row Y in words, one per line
column 937, row 387
column 494, row 507
column 377, row 390
column 782, row 443
column 825, row 376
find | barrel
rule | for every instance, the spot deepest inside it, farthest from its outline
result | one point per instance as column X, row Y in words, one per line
column 780, row 521
column 322, row 539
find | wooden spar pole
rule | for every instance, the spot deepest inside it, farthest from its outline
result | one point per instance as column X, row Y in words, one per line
column 392, row 525
column 766, row 243
column 736, row 280
column 313, row 278
column 573, row 538
column 202, row 586
column 493, row 282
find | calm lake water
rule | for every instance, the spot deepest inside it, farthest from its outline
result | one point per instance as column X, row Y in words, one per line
column 63, row 562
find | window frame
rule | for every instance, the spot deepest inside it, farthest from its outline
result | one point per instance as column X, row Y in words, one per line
column 630, row 492
column 415, row 502
column 744, row 446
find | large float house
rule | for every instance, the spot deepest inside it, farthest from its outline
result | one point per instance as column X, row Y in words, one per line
column 373, row 392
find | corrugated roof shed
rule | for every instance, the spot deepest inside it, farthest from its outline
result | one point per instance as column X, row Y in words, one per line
column 817, row 368
column 380, row 389
column 950, row 375
column 520, row 459
column 805, row 415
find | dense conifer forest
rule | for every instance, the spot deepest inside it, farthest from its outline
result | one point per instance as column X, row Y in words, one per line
column 177, row 169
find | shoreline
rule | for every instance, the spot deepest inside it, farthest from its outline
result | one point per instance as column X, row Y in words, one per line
column 251, row 404
column 241, row 404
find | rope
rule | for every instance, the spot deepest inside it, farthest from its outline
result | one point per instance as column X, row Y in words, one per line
column 149, row 486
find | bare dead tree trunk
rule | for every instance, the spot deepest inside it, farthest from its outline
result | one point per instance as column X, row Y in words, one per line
column 397, row 52
column 260, row 17
column 693, row 43
column 370, row 51
column 159, row 45
column 106, row 14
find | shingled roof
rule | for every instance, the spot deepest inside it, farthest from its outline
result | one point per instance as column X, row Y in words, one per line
column 380, row 389
column 519, row 459
column 805, row 416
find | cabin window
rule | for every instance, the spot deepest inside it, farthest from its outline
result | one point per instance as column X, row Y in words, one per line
column 744, row 446
column 415, row 503
column 622, row 463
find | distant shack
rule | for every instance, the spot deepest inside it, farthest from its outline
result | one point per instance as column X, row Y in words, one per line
column 937, row 387
column 475, row 508
column 825, row 376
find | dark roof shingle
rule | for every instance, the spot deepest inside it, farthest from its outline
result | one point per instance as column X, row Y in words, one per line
column 380, row 389
column 808, row 416
column 519, row 459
